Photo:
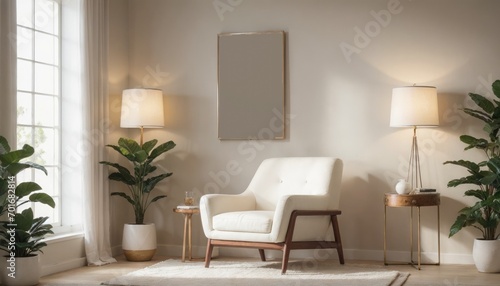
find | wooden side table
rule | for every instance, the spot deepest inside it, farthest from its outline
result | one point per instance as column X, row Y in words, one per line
column 412, row 200
column 188, row 214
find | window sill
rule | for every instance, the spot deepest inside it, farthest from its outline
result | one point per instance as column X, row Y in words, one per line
column 63, row 237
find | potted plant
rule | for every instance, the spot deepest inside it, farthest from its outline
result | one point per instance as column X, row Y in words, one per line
column 484, row 214
column 22, row 242
column 20, row 233
column 139, row 239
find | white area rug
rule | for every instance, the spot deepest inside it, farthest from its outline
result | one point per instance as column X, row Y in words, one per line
column 221, row 273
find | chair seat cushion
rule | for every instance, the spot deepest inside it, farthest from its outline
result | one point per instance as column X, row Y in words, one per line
column 245, row 221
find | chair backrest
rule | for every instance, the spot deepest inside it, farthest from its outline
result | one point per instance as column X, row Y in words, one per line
column 277, row 177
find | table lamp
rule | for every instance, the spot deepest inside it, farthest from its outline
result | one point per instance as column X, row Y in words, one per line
column 414, row 106
column 142, row 108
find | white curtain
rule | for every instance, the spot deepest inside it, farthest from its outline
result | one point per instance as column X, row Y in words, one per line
column 95, row 105
column 8, row 42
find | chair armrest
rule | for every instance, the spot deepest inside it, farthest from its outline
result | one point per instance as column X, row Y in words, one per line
column 287, row 204
column 214, row 204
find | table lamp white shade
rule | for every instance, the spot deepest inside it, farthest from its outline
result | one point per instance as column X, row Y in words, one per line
column 414, row 106
column 142, row 108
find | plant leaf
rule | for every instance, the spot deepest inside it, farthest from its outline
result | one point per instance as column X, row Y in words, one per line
column 148, row 146
column 478, row 114
column 150, row 183
column 474, row 142
column 457, row 225
column 158, row 198
column 17, row 155
column 128, row 180
column 471, row 166
column 161, row 149
column 480, row 194
column 496, row 88
column 122, row 170
column 123, row 195
column 140, row 156
column 129, row 144
column 15, row 168
column 4, row 145
column 482, row 102
column 43, row 198
column 26, row 188
column 24, row 220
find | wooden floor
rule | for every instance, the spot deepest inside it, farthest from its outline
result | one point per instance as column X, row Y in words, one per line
column 447, row 275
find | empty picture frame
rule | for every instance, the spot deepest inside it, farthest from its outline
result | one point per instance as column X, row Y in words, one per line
column 251, row 85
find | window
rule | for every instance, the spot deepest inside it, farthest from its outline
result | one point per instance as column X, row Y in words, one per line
column 39, row 96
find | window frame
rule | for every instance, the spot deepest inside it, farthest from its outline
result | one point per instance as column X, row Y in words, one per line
column 57, row 219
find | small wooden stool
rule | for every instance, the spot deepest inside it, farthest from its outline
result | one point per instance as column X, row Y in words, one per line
column 188, row 214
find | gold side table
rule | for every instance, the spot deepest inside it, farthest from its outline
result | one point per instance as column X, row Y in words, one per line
column 188, row 214
column 412, row 200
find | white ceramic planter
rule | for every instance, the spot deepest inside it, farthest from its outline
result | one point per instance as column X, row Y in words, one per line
column 139, row 241
column 24, row 271
column 486, row 255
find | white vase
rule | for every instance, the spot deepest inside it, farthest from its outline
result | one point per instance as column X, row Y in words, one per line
column 24, row 271
column 486, row 255
column 139, row 241
column 402, row 187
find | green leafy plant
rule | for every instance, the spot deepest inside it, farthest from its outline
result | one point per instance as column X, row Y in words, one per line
column 10, row 166
column 140, row 181
column 485, row 175
column 28, row 233
column 26, row 230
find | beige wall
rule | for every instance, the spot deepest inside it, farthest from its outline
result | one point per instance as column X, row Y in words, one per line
column 343, row 59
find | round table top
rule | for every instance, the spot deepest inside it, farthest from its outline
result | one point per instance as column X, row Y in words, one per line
column 412, row 200
column 187, row 210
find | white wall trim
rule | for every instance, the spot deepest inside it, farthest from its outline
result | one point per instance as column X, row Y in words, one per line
column 171, row 250
column 321, row 254
column 62, row 237
column 404, row 256
column 352, row 254
column 63, row 252
column 63, row 266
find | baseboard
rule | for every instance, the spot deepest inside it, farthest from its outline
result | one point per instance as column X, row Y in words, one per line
column 176, row 250
column 404, row 256
column 353, row 254
column 321, row 254
column 116, row 250
column 171, row 250
column 63, row 266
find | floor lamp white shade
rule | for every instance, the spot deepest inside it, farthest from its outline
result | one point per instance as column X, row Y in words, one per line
column 142, row 108
column 414, row 106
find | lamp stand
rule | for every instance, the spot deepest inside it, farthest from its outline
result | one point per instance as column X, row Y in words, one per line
column 142, row 135
column 414, row 176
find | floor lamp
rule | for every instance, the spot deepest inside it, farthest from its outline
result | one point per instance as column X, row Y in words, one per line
column 142, row 108
column 414, row 106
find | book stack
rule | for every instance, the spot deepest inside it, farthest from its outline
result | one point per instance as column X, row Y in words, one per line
column 184, row 207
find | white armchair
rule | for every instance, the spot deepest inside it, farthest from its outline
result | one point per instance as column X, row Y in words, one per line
column 289, row 204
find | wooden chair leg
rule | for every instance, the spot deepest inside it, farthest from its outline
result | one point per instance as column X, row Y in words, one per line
column 336, row 233
column 288, row 242
column 286, row 256
column 208, row 255
column 262, row 255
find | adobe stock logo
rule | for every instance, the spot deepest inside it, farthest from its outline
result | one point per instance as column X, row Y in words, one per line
column 363, row 37
column 223, row 6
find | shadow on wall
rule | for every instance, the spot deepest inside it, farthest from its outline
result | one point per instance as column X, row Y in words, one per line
column 449, row 211
column 362, row 205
